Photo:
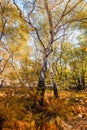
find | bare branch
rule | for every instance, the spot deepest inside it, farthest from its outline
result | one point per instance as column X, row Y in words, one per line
column 56, row 5
column 30, row 23
column 61, row 36
column 83, row 20
column 62, row 13
column 4, row 66
column 65, row 13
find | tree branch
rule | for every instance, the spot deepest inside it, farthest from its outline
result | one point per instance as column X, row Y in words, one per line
column 65, row 13
column 1, row 71
column 29, row 23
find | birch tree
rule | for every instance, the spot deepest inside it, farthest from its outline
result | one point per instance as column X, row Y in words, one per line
column 49, row 22
column 13, row 37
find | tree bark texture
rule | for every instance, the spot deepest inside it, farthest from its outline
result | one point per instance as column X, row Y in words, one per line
column 81, row 83
column 41, row 83
column 54, row 86
column 2, row 82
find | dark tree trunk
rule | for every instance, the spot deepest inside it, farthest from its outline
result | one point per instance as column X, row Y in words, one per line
column 41, row 83
column 79, row 86
column 83, row 82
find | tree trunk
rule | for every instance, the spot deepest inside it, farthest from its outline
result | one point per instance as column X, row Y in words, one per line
column 19, row 78
column 61, row 71
column 1, row 85
column 79, row 85
column 75, row 82
column 41, row 83
column 83, row 82
column 55, row 90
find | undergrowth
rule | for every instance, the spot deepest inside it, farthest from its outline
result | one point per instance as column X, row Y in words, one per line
column 16, row 110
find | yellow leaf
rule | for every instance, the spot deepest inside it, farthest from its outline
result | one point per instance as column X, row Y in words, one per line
column 32, row 123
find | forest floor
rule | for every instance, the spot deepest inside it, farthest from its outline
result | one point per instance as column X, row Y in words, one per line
column 68, row 112
column 75, row 111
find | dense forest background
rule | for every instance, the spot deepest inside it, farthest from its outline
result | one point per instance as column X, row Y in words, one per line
column 43, row 63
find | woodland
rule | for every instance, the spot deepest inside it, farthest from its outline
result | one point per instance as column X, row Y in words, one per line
column 43, row 64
